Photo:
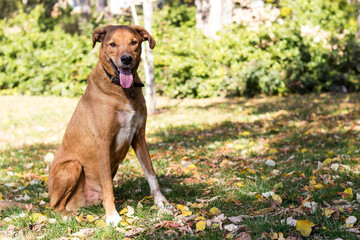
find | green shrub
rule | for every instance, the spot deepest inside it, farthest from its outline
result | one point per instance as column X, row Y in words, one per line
column 273, row 59
column 35, row 62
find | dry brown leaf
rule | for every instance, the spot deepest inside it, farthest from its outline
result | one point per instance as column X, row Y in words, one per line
column 243, row 236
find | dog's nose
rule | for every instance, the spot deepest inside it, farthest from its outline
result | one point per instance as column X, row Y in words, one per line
column 126, row 59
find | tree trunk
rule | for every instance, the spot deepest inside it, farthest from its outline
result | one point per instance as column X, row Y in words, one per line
column 150, row 92
column 212, row 15
column 358, row 20
column 101, row 5
column 85, row 9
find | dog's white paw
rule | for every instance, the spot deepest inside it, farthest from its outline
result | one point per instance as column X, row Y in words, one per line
column 113, row 219
column 160, row 200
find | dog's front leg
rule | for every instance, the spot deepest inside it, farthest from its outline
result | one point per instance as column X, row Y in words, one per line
column 112, row 216
column 142, row 152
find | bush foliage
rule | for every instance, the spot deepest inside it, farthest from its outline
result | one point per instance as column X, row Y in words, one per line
column 311, row 47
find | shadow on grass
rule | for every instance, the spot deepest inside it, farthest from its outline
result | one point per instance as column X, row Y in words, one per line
column 290, row 119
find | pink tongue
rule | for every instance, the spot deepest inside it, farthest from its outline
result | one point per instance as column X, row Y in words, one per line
column 126, row 78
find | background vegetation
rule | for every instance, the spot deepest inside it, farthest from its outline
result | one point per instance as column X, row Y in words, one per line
column 311, row 47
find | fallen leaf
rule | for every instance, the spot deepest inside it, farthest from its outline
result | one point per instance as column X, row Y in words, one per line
column 267, row 194
column 335, row 166
column 312, row 206
column 231, row 227
column 243, row 236
column 130, row 212
column 100, row 223
column 79, row 218
column 328, row 212
column 239, row 184
column 52, row 220
column 279, row 185
column 219, row 219
column 215, row 211
column 199, row 218
column 350, row 221
column 90, row 218
column 134, row 231
column 273, row 151
column 290, row 221
column 123, row 211
column 327, row 161
column 200, row 226
column 276, row 197
column 84, row 232
column 184, row 211
column 42, row 219
column 270, row 163
column 236, row 219
column 348, row 194
column 304, row 227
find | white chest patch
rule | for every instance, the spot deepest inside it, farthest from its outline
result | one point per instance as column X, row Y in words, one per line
column 130, row 121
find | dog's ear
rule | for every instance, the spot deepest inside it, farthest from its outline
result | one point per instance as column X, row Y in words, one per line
column 145, row 35
column 99, row 34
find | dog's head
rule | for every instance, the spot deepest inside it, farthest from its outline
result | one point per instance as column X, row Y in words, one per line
column 121, row 49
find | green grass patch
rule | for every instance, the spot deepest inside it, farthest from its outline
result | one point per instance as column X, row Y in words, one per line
column 213, row 149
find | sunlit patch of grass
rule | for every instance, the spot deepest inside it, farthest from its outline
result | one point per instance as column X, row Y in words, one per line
column 227, row 142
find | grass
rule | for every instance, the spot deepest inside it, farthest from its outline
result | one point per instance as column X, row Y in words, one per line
column 201, row 149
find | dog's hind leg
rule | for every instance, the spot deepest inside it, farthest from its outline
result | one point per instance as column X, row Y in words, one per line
column 66, row 181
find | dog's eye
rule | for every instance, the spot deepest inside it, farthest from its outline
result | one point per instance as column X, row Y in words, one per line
column 113, row 44
column 133, row 43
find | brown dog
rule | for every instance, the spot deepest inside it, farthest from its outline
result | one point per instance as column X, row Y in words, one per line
column 109, row 117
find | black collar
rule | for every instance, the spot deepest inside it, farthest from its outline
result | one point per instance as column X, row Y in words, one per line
column 116, row 80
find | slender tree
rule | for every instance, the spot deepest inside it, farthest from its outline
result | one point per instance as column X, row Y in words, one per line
column 150, row 92
column 101, row 5
column 85, row 9
column 358, row 19
column 150, row 85
column 212, row 15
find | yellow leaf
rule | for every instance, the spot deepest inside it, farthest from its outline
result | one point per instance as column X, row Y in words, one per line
column 126, row 238
column 274, row 236
column 184, row 212
column 79, row 218
column 318, row 185
column 239, row 184
column 215, row 211
column 327, row 161
column 191, row 167
column 348, row 194
column 281, row 236
column 42, row 219
column 245, row 134
column 328, row 212
column 199, row 218
column 279, row 185
column 124, row 223
column 273, row 151
column 330, row 153
column 100, row 223
column 304, row 150
column 200, row 226
column 258, row 196
column 304, row 227
column 90, row 218
column 35, row 216
column 124, row 210
column 276, row 197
